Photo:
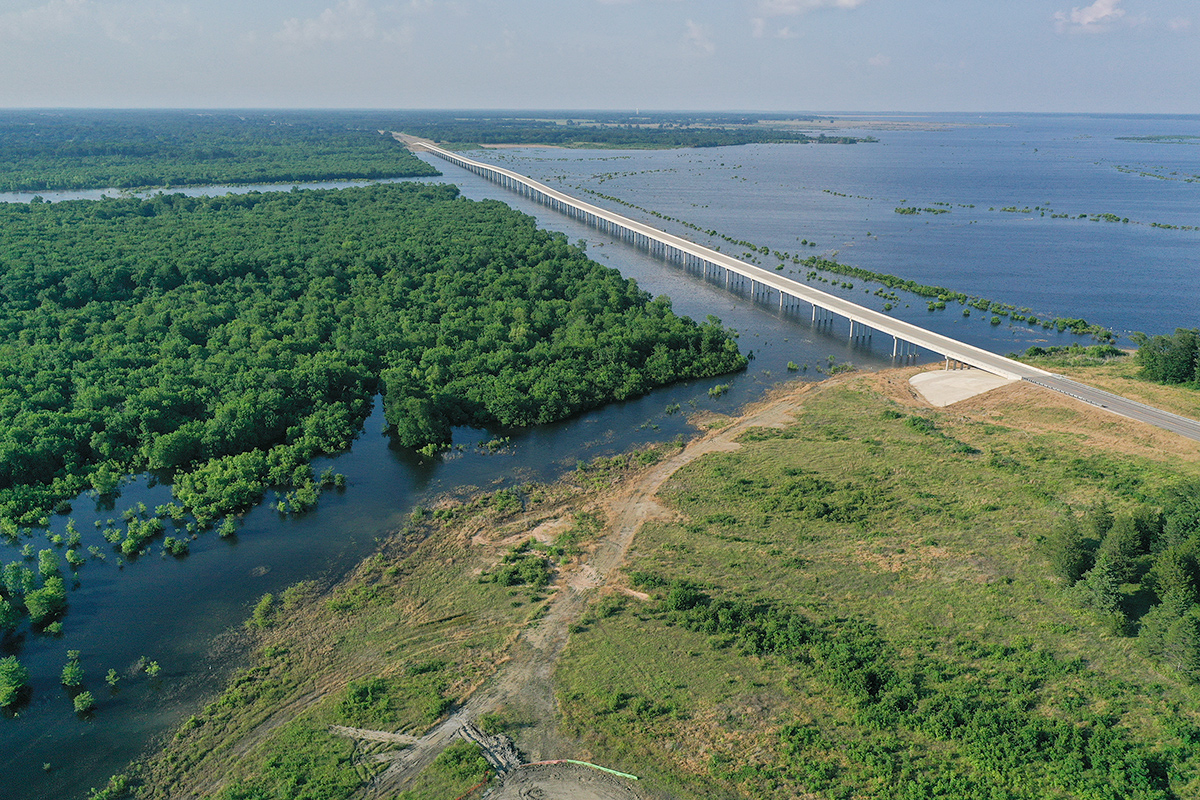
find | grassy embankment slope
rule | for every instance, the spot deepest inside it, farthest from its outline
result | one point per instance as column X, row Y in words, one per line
column 901, row 632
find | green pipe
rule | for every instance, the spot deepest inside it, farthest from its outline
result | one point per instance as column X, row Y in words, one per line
column 602, row 769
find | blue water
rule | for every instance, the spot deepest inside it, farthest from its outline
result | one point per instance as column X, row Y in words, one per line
column 1126, row 276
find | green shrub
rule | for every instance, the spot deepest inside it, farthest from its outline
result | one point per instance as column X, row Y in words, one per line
column 72, row 672
column 263, row 614
column 14, row 679
column 84, row 702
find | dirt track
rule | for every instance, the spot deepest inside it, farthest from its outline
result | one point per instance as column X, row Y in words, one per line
column 524, row 684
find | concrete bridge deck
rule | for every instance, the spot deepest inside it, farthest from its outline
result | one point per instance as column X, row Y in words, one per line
column 771, row 287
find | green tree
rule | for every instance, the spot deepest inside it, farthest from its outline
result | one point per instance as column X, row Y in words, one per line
column 84, row 702
column 1097, row 521
column 1174, row 571
column 1181, row 644
column 74, row 538
column 1121, row 547
column 72, row 672
column 1183, row 515
column 1071, row 554
column 13, row 680
column 47, row 602
column 1169, row 359
column 48, row 563
column 9, row 616
column 1102, row 591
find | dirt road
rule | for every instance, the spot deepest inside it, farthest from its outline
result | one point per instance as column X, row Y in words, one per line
column 524, row 684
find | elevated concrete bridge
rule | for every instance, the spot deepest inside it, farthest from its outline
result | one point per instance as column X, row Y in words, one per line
column 761, row 284
column 771, row 287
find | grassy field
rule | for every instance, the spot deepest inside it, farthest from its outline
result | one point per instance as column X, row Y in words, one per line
column 913, row 535
column 857, row 604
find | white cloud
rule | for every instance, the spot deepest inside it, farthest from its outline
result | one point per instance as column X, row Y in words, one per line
column 699, row 37
column 349, row 20
column 759, row 30
column 56, row 17
column 880, row 60
column 1180, row 24
column 1095, row 17
column 126, row 22
column 779, row 8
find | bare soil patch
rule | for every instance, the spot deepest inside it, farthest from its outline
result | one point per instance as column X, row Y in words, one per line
column 562, row 782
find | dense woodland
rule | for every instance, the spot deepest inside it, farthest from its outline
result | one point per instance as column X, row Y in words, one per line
column 71, row 149
column 228, row 340
column 1173, row 359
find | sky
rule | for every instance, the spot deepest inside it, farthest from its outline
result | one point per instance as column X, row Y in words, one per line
column 1109, row 56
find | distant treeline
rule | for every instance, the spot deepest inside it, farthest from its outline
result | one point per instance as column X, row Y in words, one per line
column 66, row 150
column 661, row 131
column 230, row 339
column 1173, row 359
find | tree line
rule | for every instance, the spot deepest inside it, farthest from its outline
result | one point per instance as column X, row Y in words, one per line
column 609, row 130
column 1170, row 359
column 76, row 149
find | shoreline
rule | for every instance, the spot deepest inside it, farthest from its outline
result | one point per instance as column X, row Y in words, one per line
column 516, row 678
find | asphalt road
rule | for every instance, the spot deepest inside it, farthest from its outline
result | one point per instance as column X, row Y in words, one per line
column 1120, row 405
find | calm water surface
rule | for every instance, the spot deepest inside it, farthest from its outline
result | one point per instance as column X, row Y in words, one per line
column 1125, row 276
column 1128, row 276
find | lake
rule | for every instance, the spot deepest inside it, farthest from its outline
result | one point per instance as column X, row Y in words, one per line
column 1127, row 276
